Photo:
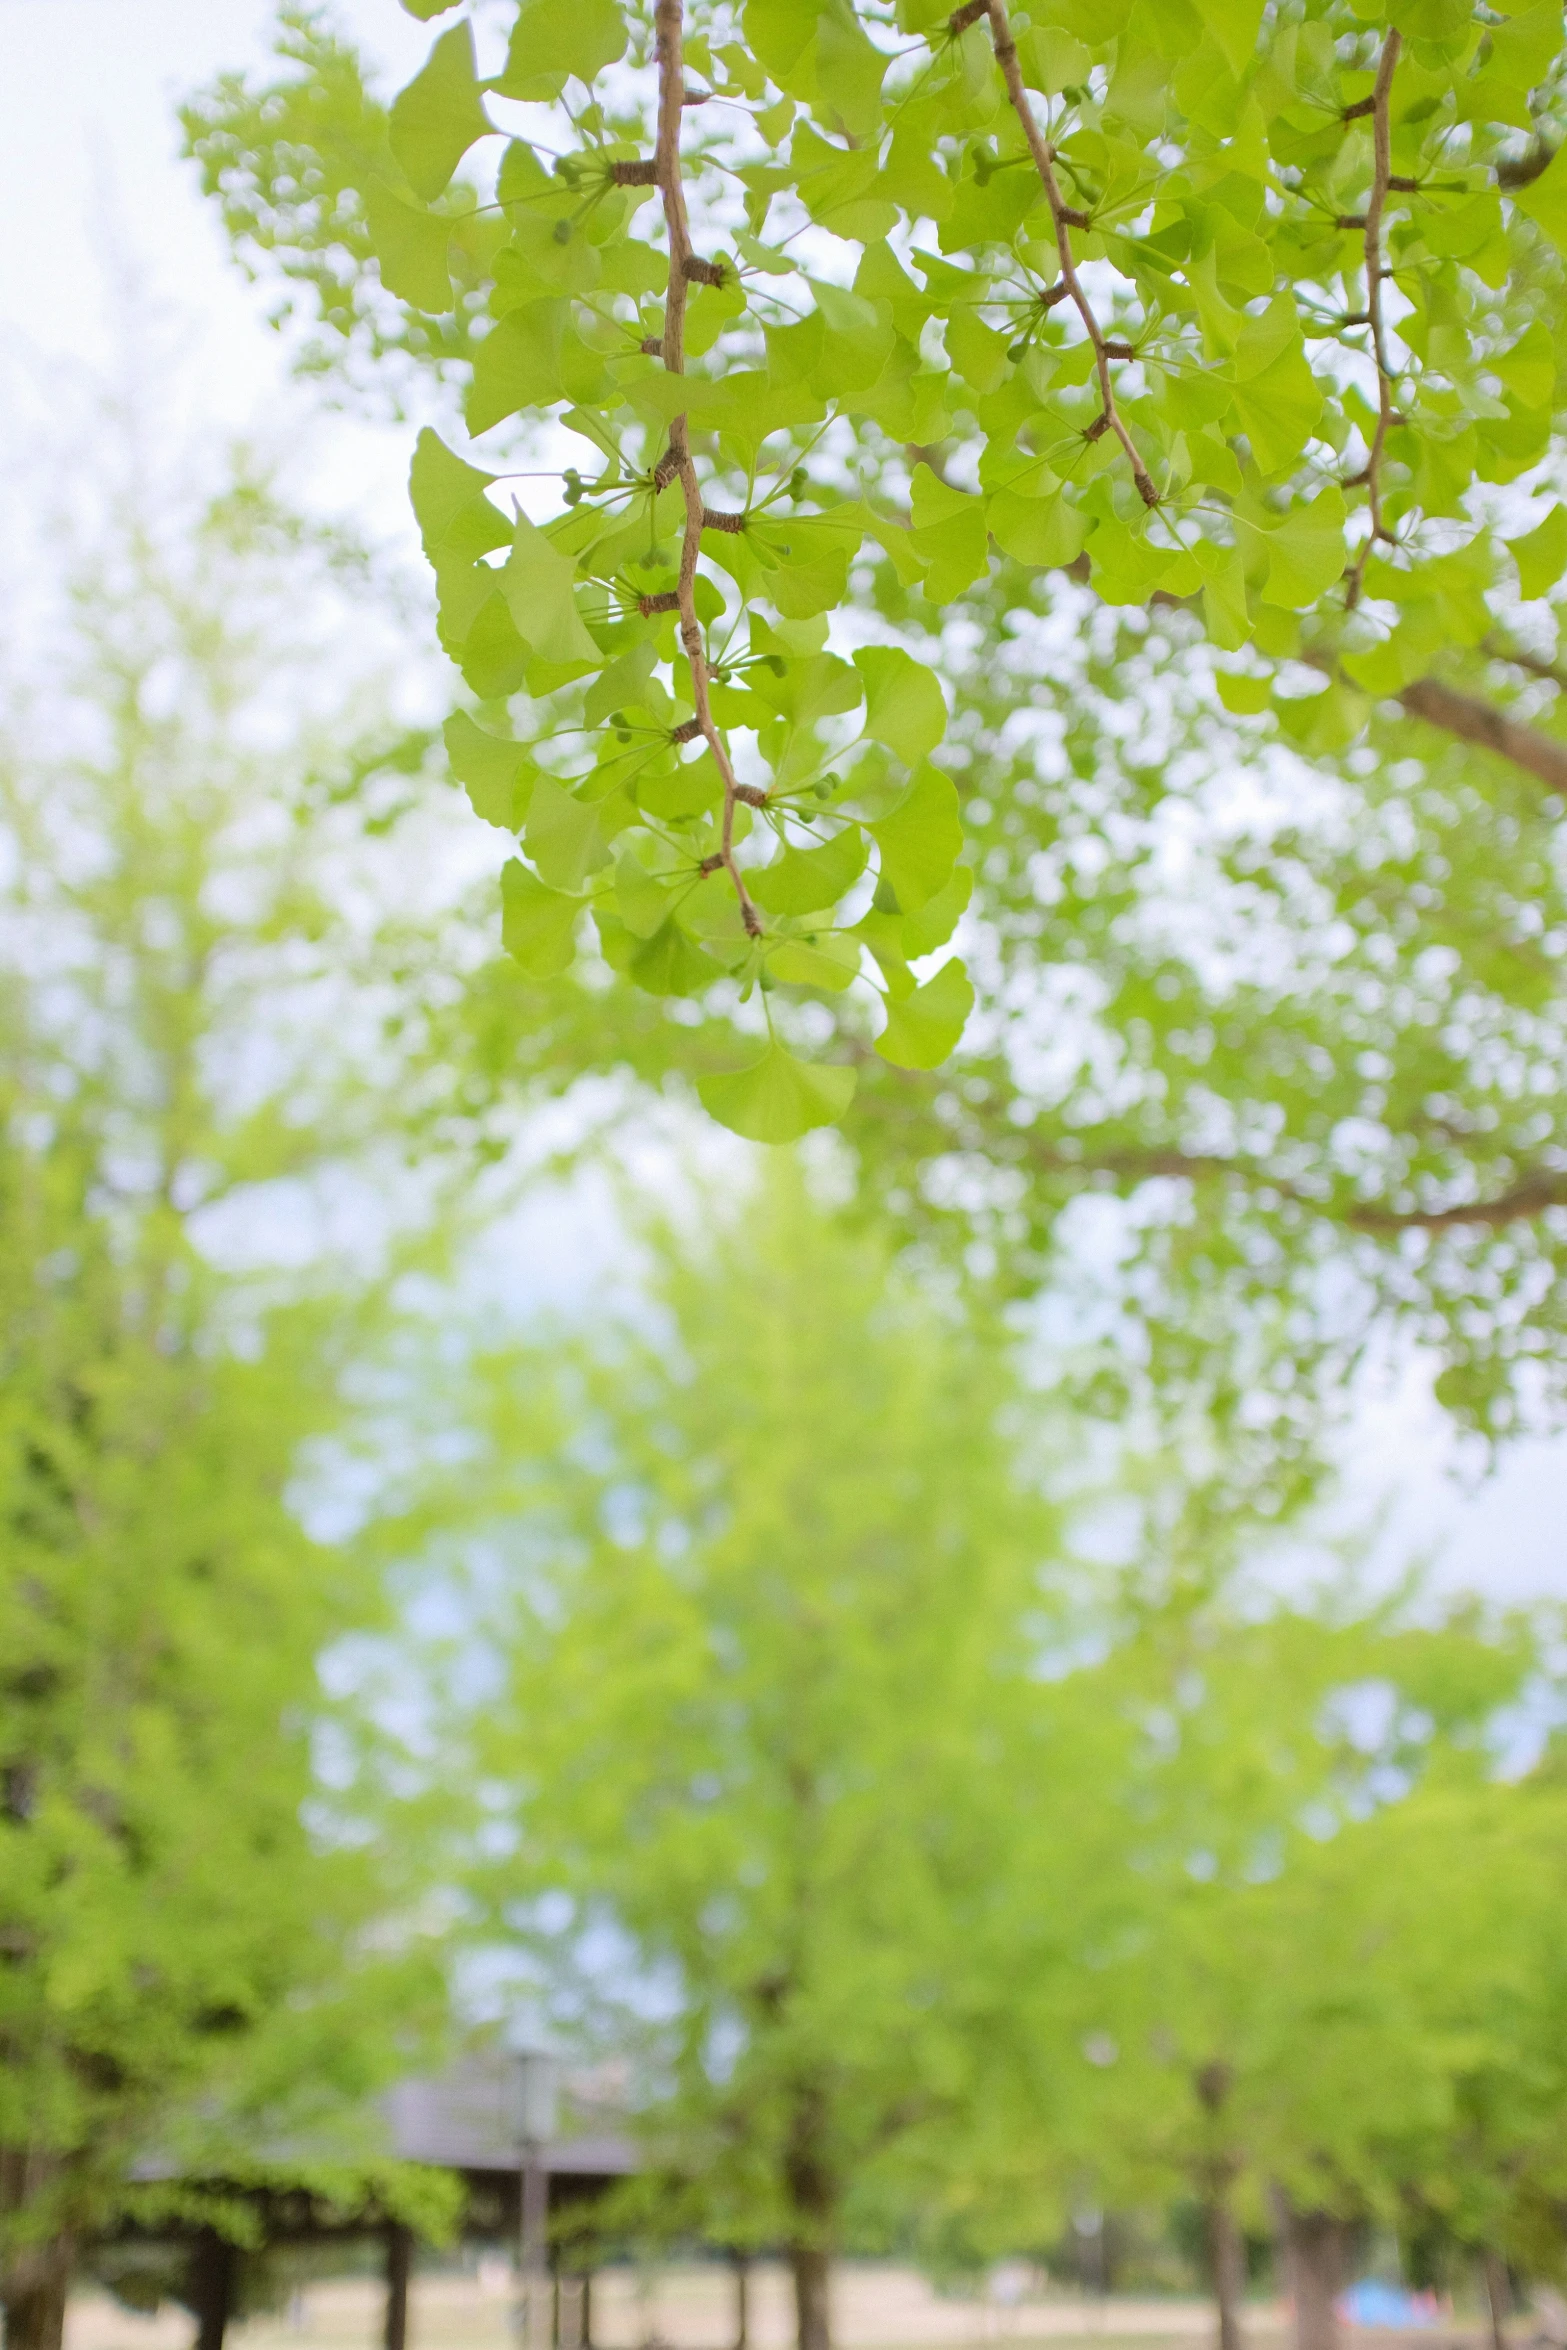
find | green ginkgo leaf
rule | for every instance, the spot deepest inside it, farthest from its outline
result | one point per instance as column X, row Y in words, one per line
column 830, row 962
column 1541, row 555
column 1046, row 531
column 641, row 900
column 552, row 40
column 933, row 924
column 921, row 840
column 777, row 1099
column 1233, row 25
column 537, row 582
column 455, row 518
column 1306, row 552
column 437, row 118
column 804, row 880
column 494, row 773
column 820, row 54
column 563, row 835
column 493, row 656
column 904, row 707
column 410, row 249
column 922, row 1028
column 1544, row 201
column 949, row 535
column 1279, row 410
column 670, row 963
column 538, row 925
column 517, row 365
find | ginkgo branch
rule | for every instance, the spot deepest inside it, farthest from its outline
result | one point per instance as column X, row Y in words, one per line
column 686, row 266
column 1065, row 217
column 1381, row 179
column 1490, row 729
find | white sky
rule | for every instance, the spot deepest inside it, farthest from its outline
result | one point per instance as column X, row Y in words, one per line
column 89, row 169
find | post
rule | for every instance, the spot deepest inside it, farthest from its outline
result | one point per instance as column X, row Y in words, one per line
column 742, row 2301
column 585, row 2329
column 399, row 2267
column 533, row 2247
column 535, row 2088
column 212, row 2267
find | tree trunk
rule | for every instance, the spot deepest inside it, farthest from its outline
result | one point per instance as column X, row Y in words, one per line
column 1315, row 2244
column 1226, row 2247
column 1226, row 2269
column 813, row 2203
column 212, row 2267
column 399, row 2267
column 808, row 2264
column 35, row 2294
column 1498, row 2296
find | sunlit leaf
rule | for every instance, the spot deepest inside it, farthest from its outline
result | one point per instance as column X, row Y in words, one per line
column 436, row 119
column 777, row 1099
column 922, row 1028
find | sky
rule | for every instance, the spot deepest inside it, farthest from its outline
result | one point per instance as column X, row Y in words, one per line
column 94, row 199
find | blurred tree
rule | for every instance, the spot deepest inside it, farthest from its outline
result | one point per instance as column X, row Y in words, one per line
column 186, row 1966
column 1299, row 2023
column 763, row 1569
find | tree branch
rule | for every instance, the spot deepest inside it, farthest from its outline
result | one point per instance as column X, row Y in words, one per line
column 1529, row 1197
column 1064, row 216
column 1474, row 721
column 685, row 265
column 1382, row 150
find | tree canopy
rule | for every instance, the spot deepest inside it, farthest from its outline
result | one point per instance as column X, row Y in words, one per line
column 1242, row 320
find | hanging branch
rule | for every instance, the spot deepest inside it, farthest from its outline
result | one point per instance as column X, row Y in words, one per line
column 686, row 267
column 1381, row 180
column 1066, row 217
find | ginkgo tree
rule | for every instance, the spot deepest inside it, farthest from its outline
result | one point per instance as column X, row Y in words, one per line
column 1240, row 306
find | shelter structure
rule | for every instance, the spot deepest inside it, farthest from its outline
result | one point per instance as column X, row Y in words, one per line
column 493, row 2121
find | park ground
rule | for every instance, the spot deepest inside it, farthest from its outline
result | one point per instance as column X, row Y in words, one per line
column 876, row 2307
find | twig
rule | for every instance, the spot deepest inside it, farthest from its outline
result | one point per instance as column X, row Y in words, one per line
column 1381, row 177
column 1065, row 216
column 684, row 266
